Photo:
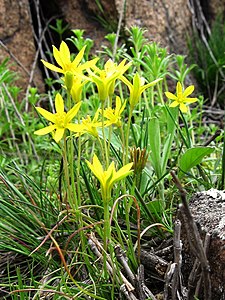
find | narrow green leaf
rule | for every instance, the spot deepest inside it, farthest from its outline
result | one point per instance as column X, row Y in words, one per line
column 155, row 145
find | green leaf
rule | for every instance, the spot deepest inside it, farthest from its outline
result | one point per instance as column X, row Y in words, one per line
column 193, row 157
column 155, row 145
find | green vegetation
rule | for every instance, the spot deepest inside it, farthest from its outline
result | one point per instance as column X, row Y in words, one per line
column 208, row 52
column 89, row 169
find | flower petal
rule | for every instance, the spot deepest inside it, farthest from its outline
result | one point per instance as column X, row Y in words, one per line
column 75, row 127
column 183, row 107
column 188, row 91
column 190, row 100
column 64, row 53
column 123, row 172
column 57, row 56
column 59, row 103
column 179, row 90
column 96, row 168
column 46, row 114
column 59, row 134
column 87, row 64
column 170, row 96
column 146, row 86
column 45, row 130
column 78, row 58
column 118, row 105
column 127, row 82
column 72, row 112
column 51, row 67
column 174, row 104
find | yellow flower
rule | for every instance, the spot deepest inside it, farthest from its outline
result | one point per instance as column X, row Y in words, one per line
column 60, row 121
column 108, row 177
column 181, row 97
column 137, row 88
column 105, row 79
column 114, row 115
column 90, row 126
column 75, row 86
column 62, row 57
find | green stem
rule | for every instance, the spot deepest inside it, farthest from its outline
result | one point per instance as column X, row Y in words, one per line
column 71, row 162
column 66, row 174
column 104, row 138
column 127, row 135
column 107, row 231
column 159, row 88
column 123, row 143
column 78, row 168
column 187, row 131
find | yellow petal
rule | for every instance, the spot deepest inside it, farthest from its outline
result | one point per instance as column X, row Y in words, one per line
column 183, row 107
column 174, row 104
column 46, row 114
column 58, row 134
column 57, row 56
column 190, row 100
column 137, row 82
column 45, row 130
column 123, row 172
column 118, row 105
column 179, row 89
column 51, row 67
column 78, row 58
column 75, row 127
column 123, row 107
column 122, row 67
column 72, row 112
column 59, row 103
column 188, row 91
column 64, row 53
column 127, row 82
column 170, row 96
column 97, row 165
column 96, row 168
column 149, row 84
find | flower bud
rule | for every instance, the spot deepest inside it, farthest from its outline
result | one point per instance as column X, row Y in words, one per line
column 69, row 80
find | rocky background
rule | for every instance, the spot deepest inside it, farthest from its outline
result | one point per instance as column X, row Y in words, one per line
column 24, row 24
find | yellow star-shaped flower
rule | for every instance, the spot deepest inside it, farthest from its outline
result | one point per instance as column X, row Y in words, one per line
column 60, row 121
column 181, row 97
column 137, row 88
column 90, row 126
column 63, row 59
column 114, row 115
column 105, row 79
column 110, row 176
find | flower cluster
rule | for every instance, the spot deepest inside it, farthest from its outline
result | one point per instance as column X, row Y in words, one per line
column 75, row 74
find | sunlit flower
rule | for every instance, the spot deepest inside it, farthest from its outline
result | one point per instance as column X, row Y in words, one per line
column 63, row 59
column 181, row 97
column 60, row 121
column 90, row 126
column 108, row 177
column 114, row 115
column 105, row 79
column 137, row 88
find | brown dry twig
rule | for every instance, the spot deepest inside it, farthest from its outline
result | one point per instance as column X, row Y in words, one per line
column 194, row 238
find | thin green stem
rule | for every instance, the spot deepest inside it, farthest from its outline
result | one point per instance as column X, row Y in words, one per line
column 159, row 89
column 66, row 174
column 127, row 135
column 104, row 138
column 71, row 162
column 123, row 144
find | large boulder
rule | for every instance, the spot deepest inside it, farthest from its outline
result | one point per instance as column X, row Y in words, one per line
column 17, row 41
